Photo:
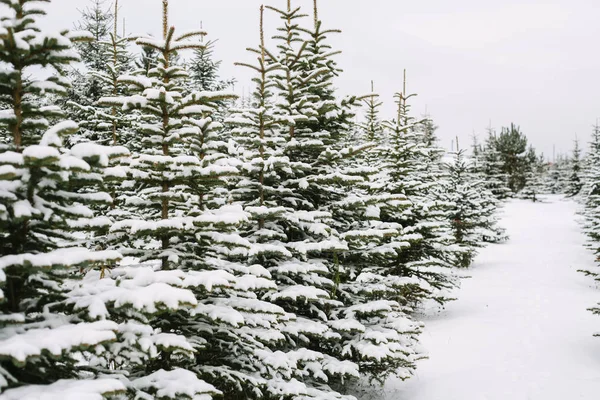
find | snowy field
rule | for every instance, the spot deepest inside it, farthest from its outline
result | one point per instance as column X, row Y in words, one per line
column 520, row 329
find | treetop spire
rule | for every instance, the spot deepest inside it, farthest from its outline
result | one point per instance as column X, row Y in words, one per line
column 116, row 25
column 262, row 33
column 165, row 18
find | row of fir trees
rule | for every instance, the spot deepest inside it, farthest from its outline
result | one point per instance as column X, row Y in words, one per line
column 590, row 200
column 162, row 239
column 512, row 168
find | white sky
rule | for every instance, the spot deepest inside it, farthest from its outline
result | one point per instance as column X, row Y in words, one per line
column 530, row 62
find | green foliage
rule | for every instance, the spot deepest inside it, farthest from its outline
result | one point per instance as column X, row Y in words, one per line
column 45, row 206
column 512, row 147
column 575, row 183
column 204, row 70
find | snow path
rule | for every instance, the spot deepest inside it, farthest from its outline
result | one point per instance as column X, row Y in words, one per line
column 520, row 329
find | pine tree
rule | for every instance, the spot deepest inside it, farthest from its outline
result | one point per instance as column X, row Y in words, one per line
column 512, row 148
column 317, row 151
column 204, row 70
column 43, row 210
column 557, row 178
column 147, row 60
column 590, row 194
column 111, row 62
column 204, row 325
column 575, row 180
column 98, row 20
column 284, row 234
column 535, row 180
column 409, row 168
column 477, row 156
column 591, row 198
column 372, row 126
column 491, row 165
column 427, row 129
column 472, row 215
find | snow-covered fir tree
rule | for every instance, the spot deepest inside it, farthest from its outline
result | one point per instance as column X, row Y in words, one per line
column 477, row 156
column 575, row 182
column 87, row 87
column 372, row 126
column 206, row 330
column 111, row 61
column 147, row 59
column 535, row 180
column 408, row 169
column 97, row 19
column 557, row 177
column 43, row 210
column 590, row 197
column 290, row 186
column 491, row 165
column 204, row 70
column 473, row 209
column 285, row 236
column 590, row 172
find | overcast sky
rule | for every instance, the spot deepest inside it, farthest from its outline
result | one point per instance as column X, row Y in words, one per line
column 535, row 63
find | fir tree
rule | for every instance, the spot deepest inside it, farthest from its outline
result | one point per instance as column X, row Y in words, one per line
column 512, row 147
column 557, row 178
column 591, row 198
column 147, row 59
column 575, row 180
column 472, row 216
column 204, row 70
column 477, row 156
column 409, row 168
column 316, row 126
column 281, row 229
column 491, row 165
column 372, row 125
column 204, row 322
column 535, row 180
column 98, row 20
column 101, row 125
column 427, row 129
column 43, row 210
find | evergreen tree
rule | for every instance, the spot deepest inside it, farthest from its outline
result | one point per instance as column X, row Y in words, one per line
column 43, row 210
column 557, row 178
column 409, row 167
column 535, row 180
column 98, row 20
column 204, row 70
column 284, row 232
column 477, row 156
column 590, row 194
column 428, row 128
column 512, row 148
column 317, row 151
column 101, row 125
column 372, row 125
column 205, row 321
column 575, row 180
column 591, row 173
column 591, row 198
column 147, row 60
column 491, row 165
column 473, row 212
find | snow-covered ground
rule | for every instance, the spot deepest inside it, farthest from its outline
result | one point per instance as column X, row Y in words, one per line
column 520, row 329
